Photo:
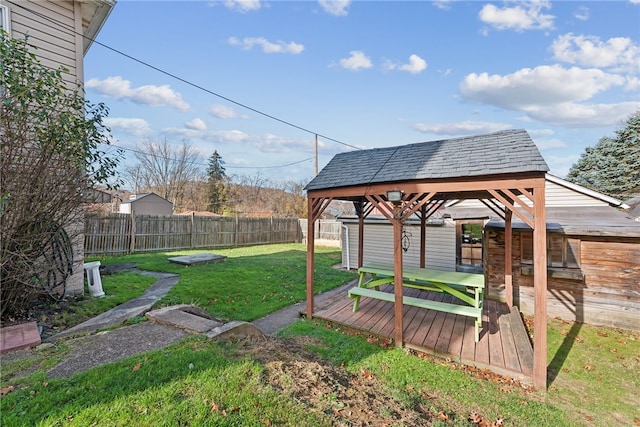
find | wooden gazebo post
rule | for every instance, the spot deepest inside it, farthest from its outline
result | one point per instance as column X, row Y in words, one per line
column 540, row 288
column 508, row 254
column 397, row 280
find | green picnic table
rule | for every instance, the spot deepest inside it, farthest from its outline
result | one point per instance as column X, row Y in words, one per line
column 468, row 288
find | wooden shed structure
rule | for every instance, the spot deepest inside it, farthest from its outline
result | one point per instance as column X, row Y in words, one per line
column 504, row 170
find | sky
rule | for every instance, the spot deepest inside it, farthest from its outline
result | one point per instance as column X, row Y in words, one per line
column 257, row 80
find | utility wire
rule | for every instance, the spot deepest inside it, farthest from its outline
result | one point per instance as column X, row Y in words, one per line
column 144, row 153
column 197, row 86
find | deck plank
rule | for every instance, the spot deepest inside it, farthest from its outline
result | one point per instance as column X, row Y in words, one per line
column 482, row 346
column 508, row 345
column 522, row 342
column 496, row 356
column 428, row 323
column 457, row 337
column 429, row 330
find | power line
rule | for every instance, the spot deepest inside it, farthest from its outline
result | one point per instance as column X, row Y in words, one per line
column 197, row 86
column 144, row 153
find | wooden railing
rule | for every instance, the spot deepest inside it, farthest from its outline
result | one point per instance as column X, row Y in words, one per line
column 112, row 234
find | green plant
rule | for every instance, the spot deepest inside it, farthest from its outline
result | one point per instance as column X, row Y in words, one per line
column 51, row 150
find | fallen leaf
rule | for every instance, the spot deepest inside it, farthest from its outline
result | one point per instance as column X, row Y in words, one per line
column 6, row 390
column 589, row 367
column 135, row 368
column 580, row 340
column 637, row 421
column 442, row 416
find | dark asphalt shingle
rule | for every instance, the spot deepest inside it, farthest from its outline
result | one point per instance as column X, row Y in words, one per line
column 510, row 151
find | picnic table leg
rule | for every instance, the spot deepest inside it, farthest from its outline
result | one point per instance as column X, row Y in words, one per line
column 356, row 299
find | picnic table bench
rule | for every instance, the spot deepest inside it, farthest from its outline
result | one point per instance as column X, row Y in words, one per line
column 468, row 288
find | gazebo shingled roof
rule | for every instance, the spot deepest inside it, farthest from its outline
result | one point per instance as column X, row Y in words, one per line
column 503, row 169
column 511, row 151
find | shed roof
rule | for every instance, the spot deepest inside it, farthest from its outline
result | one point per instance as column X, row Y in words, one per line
column 505, row 152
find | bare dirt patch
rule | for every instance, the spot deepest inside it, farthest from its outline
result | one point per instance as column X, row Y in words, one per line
column 347, row 399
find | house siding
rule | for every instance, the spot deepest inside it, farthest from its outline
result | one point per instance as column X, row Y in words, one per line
column 609, row 293
column 56, row 42
column 54, row 29
column 556, row 196
column 378, row 247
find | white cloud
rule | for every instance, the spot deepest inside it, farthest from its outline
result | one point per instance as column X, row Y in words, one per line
column 585, row 115
column 618, row 53
column 132, row 126
column 560, row 165
column 533, row 88
column 356, row 61
column 468, row 127
column 224, row 112
column 443, row 4
column 416, row 65
column 155, row 96
column 545, row 144
column 193, row 133
column 524, row 16
column 243, row 6
column 335, row 7
column 582, row 13
column 248, row 43
column 196, row 124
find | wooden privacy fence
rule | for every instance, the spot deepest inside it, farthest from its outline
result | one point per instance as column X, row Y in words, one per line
column 324, row 229
column 111, row 234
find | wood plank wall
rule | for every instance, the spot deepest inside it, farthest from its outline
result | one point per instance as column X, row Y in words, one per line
column 609, row 293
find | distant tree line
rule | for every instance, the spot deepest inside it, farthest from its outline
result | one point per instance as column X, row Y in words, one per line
column 176, row 173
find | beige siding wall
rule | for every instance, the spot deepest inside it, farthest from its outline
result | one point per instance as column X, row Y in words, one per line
column 51, row 28
column 378, row 245
column 555, row 196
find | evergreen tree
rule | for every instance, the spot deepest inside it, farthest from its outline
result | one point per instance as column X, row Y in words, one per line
column 612, row 167
column 216, row 184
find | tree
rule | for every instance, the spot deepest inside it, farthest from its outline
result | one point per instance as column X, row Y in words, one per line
column 167, row 170
column 289, row 200
column 217, row 193
column 612, row 167
column 51, row 142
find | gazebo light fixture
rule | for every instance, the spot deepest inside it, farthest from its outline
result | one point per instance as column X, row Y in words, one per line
column 394, row 196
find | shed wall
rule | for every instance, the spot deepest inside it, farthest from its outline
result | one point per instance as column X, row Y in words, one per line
column 150, row 204
column 378, row 245
column 609, row 293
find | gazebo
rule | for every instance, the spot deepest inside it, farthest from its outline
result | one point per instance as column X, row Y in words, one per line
column 504, row 170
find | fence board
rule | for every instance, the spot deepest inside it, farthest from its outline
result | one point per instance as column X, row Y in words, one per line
column 112, row 234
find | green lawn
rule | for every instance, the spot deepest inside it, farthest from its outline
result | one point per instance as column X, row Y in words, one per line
column 594, row 371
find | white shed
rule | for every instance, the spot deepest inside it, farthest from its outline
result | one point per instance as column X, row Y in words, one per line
column 147, row 204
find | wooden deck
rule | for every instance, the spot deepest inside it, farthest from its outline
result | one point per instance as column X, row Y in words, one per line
column 504, row 345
